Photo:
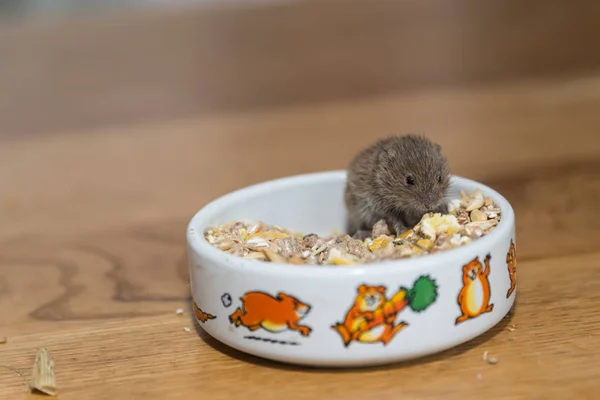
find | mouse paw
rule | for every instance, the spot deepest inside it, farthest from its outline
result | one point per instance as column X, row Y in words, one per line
column 442, row 209
column 361, row 234
column 399, row 228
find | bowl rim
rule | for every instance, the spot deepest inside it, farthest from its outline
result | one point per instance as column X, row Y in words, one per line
column 198, row 244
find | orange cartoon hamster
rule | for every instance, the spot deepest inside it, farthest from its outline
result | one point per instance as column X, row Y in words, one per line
column 372, row 317
column 511, row 261
column 474, row 297
column 201, row 315
column 260, row 310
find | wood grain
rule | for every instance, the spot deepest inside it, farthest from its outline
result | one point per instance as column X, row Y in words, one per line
column 92, row 222
column 509, row 124
column 153, row 357
column 58, row 74
column 94, row 265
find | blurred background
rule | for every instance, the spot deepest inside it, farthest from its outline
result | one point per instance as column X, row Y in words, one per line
column 124, row 112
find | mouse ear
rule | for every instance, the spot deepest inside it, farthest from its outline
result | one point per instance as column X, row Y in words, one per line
column 386, row 154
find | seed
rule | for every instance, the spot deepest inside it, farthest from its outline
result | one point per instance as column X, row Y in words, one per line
column 257, row 227
column 225, row 244
column 476, row 201
column 425, row 244
column 477, row 216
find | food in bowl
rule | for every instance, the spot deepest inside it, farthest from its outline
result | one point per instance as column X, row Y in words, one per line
column 470, row 217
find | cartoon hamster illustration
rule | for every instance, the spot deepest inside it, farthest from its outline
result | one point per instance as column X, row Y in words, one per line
column 371, row 319
column 474, row 297
column 201, row 315
column 511, row 261
column 261, row 310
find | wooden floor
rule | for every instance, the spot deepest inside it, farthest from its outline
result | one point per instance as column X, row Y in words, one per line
column 93, row 215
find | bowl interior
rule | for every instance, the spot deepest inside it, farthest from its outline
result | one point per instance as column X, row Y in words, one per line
column 312, row 203
column 305, row 205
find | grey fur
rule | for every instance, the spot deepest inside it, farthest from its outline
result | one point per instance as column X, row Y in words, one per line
column 376, row 187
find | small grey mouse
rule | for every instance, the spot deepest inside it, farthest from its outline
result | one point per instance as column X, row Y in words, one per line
column 398, row 179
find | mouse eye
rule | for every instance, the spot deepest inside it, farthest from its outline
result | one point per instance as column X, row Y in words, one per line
column 410, row 180
column 439, row 179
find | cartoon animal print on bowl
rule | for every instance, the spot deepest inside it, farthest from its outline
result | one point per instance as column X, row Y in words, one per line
column 474, row 297
column 273, row 314
column 371, row 319
column 201, row 315
column 511, row 262
column 226, row 300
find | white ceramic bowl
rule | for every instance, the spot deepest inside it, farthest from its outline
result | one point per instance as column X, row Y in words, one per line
column 343, row 315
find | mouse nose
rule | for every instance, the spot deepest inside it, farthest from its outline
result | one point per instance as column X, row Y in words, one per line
column 430, row 205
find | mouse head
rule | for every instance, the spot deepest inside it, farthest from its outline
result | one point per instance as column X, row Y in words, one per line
column 411, row 174
column 370, row 298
